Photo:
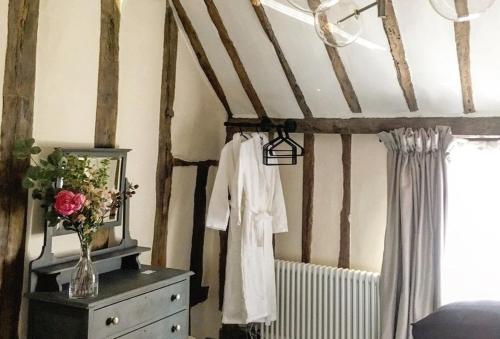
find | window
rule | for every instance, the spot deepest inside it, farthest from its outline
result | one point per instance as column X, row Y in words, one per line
column 471, row 260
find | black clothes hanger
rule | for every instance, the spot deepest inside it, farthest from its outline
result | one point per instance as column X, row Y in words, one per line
column 282, row 150
column 243, row 134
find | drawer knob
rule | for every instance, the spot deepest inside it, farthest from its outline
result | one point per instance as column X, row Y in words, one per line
column 112, row 321
column 176, row 328
column 175, row 297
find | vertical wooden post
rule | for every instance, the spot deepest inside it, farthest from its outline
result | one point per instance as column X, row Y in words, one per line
column 223, row 248
column 345, row 226
column 107, row 85
column 107, row 90
column 164, row 166
column 307, row 196
column 198, row 293
column 17, row 123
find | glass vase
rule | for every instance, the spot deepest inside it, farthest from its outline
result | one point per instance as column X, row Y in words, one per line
column 84, row 281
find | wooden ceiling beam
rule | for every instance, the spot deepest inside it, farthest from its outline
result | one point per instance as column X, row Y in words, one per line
column 345, row 83
column 201, row 55
column 235, row 59
column 340, row 72
column 459, row 125
column 462, row 40
column 268, row 29
column 393, row 34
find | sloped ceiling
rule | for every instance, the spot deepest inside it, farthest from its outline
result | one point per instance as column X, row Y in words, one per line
column 430, row 51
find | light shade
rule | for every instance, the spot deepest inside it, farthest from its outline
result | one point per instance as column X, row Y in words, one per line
column 306, row 5
column 337, row 23
column 461, row 10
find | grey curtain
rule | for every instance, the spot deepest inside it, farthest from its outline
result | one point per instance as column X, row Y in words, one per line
column 416, row 218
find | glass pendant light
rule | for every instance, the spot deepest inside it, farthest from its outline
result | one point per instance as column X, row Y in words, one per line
column 461, row 10
column 337, row 22
column 305, row 5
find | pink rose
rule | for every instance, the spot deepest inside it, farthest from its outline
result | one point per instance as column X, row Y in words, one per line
column 68, row 202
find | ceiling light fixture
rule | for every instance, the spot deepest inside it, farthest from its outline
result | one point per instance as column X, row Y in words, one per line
column 306, row 5
column 308, row 19
column 461, row 10
column 338, row 22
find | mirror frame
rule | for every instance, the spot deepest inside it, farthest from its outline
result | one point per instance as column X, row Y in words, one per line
column 101, row 153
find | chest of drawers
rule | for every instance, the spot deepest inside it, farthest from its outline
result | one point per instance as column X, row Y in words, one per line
column 145, row 303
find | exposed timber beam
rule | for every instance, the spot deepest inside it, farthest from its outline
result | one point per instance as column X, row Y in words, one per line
column 184, row 163
column 235, row 59
column 462, row 39
column 268, row 29
column 107, row 84
column 339, row 69
column 201, row 55
column 345, row 226
column 107, row 91
column 307, row 196
column 164, row 167
column 198, row 292
column 459, row 125
column 17, row 123
column 393, row 34
column 223, row 237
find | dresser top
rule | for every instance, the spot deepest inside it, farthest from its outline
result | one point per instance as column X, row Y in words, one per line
column 118, row 285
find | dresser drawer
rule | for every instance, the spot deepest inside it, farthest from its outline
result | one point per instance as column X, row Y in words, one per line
column 114, row 319
column 173, row 327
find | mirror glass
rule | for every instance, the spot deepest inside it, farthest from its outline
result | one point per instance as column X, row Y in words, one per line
column 114, row 180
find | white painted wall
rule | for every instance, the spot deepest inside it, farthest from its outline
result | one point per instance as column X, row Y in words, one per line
column 368, row 203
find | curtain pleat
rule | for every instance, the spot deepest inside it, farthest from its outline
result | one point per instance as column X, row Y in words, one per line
column 416, row 219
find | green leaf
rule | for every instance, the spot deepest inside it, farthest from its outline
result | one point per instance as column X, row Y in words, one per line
column 29, row 142
column 35, row 150
column 52, row 218
column 33, row 172
column 56, row 157
column 28, row 183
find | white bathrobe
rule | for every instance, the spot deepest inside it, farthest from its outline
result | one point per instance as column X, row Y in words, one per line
column 256, row 211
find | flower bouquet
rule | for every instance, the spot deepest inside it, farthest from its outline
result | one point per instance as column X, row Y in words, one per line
column 74, row 193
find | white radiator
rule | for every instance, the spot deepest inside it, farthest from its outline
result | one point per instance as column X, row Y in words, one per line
column 320, row 302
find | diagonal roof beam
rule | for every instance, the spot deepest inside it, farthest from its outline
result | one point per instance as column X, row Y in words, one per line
column 462, row 39
column 393, row 34
column 235, row 59
column 201, row 55
column 268, row 29
column 340, row 72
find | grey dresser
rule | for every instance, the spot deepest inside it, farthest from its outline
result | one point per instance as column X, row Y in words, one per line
column 133, row 304
column 134, row 301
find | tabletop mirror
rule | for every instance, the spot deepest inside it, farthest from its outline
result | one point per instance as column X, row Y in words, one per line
column 50, row 271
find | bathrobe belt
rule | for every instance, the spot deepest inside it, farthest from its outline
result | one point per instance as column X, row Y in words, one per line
column 261, row 221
